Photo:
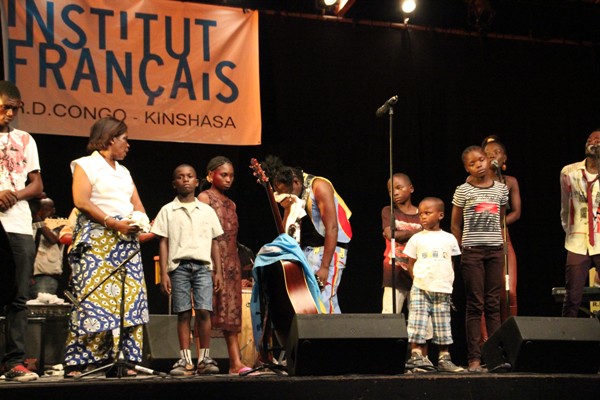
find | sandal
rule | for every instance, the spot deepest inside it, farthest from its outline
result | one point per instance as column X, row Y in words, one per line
column 72, row 372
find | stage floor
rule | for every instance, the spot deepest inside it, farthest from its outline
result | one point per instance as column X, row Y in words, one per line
column 433, row 385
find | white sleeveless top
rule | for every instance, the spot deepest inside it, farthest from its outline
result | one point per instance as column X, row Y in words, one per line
column 111, row 188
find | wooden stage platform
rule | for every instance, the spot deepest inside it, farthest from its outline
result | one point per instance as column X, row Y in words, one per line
column 432, row 386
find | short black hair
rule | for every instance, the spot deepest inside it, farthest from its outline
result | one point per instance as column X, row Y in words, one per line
column 183, row 166
column 438, row 202
column 468, row 150
column 10, row 90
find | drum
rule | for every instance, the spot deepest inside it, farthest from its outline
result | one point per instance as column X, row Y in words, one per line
column 246, row 338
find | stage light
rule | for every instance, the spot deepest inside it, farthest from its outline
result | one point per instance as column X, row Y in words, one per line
column 330, row 7
column 326, row 4
column 408, row 6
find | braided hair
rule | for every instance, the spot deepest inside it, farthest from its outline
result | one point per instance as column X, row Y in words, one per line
column 212, row 165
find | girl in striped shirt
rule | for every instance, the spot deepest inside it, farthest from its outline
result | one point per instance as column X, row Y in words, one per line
column 477, row 217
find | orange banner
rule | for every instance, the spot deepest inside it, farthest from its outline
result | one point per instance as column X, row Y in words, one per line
column 174, row 71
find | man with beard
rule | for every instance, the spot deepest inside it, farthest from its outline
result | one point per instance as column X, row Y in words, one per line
column 580, row 202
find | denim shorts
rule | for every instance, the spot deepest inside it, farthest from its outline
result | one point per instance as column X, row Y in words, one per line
column 191, row 286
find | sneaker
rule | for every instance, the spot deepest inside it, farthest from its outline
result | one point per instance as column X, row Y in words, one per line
column 181, row 368
column 20, row 374
column 419, row 363
column 445, row 364
column 207, row 366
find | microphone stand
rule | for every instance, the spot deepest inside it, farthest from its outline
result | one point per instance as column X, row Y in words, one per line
column 392, row 217
column 120, row 365
column 505, row 247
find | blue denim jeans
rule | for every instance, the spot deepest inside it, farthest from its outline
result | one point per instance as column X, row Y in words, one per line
column 191, row 278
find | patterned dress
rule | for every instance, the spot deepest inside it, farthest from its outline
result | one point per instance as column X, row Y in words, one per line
column 227, row 303
column 96, row 252
column 94, row 326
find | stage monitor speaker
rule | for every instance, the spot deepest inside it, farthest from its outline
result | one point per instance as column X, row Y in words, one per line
column 161, row 345
column 335, row 344
column 545, row 344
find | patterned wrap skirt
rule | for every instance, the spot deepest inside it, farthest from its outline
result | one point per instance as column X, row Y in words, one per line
column 101, row 269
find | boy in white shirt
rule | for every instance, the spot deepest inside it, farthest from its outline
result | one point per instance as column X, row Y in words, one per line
column 430, row 265
column 187, row 229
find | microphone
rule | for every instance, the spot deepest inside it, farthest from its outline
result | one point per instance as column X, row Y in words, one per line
column 497, row 169
column 381, row 111
column 144, row 369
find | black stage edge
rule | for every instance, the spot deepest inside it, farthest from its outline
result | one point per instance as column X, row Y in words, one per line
column 432, row 386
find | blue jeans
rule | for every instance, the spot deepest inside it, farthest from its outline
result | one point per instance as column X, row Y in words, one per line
column 191, row 278
column 23, row 249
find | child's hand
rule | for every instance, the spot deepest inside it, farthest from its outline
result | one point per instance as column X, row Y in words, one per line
column 217, row 282
column 246, row 283
column 165, row 284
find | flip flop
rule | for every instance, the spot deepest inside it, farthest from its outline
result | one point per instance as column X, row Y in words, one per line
column 244, row 371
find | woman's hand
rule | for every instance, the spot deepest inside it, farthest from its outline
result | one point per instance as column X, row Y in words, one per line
column 123, row 226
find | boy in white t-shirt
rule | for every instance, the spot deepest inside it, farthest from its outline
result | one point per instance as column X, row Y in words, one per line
column 430, row 265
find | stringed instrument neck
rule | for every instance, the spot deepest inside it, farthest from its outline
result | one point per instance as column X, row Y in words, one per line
column 275, row 210
column 262, row 179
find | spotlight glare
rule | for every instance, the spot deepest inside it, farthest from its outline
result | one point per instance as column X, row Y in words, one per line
column 329, row 3
column 408, row 6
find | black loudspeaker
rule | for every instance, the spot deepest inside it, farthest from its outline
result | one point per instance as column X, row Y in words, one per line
column 161, row 345
column 543, row 344
column 47, row 332
column 334, row 344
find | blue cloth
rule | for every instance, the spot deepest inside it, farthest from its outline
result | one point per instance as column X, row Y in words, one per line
column 283, row 248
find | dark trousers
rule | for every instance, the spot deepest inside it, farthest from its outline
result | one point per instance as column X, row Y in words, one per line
column 483, row 275
column 576, row 274
column 23, row 251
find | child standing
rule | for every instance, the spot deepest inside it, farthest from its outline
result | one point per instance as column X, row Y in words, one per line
column 477, row 217
column 407, row 223
column 430, row 265
column 228, row 302
column 187, row 229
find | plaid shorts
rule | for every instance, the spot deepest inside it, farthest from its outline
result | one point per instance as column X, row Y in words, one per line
column 424, row 304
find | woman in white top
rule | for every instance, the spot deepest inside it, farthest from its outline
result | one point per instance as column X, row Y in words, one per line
column 105, row 236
